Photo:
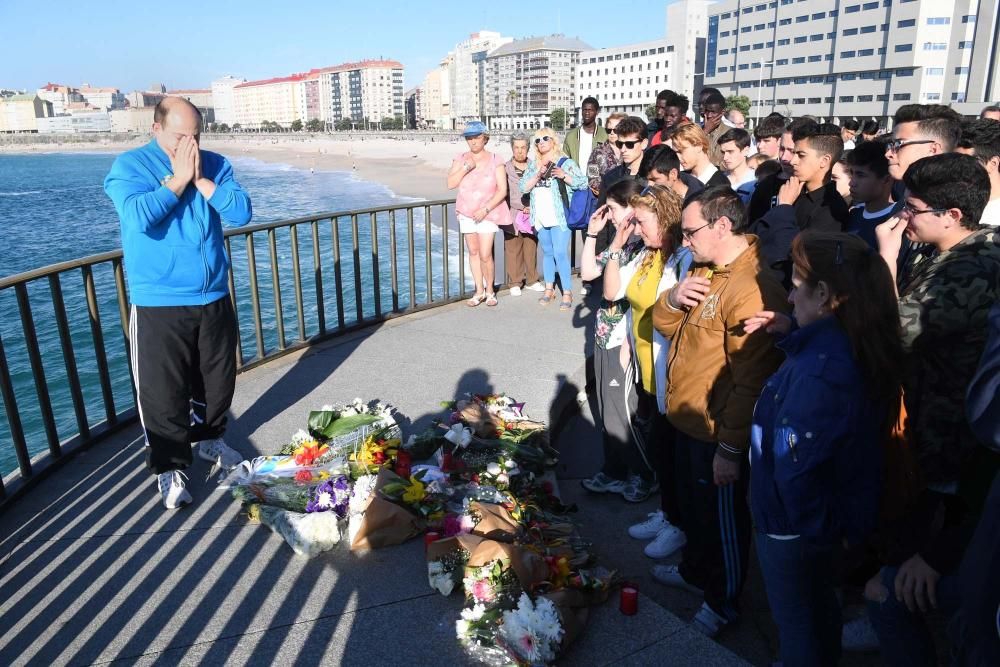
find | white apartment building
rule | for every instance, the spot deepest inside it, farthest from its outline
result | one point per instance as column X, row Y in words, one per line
column 275, row 100
column 60, row 96
column 365, row 91
column 467, row 74
column 687, row 31
column 528, row 79
column 851, row 58
column 222, row 98
column 103, row 98
column 80, row 121
column 435, row 97
column 625, row 79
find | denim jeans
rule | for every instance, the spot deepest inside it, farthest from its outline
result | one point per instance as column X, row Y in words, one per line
column 904, row 635
column 798, row 579
column 555, row 256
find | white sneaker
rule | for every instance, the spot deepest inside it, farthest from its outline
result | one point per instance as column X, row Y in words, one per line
column 707, row 622
column 217, row 451
column 172, row 489
column 515, row 291
column 649, row 528
column 536, row 287
column 670, row 575
column 668, row 540
column 859, row 636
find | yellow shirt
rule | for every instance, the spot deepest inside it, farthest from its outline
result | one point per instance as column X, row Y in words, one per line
column 641, row 295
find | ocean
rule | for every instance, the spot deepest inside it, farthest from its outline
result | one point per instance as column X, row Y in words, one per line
column 53, row 208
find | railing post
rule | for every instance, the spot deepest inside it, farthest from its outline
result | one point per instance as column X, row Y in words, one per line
column 69, row 358
column 445, row 254
column 258, row 329
column 37, row 369
column 297, row 277
column 123, row 315
column 411, row 257
column 427, row 254
column 279, row 315
column 394, row 268
column 98, row 335
column 376, row 282
column 236, row 309
column 461, row 261
column 356, row 254
column 318, row 277
column 338, row 276
column 13, row 417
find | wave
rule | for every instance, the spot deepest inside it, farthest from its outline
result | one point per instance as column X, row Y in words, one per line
column 24, row 193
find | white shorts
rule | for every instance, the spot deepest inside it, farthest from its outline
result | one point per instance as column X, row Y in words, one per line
column 469, row 226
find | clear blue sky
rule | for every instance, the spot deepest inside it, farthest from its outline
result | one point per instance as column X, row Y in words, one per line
column 187, row 43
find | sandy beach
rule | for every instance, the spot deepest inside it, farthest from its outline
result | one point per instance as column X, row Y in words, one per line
column 409, row 167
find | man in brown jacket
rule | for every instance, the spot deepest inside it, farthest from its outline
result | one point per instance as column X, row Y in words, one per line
column 715, row 373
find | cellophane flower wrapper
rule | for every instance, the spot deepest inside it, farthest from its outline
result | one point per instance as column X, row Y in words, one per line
column 307, row 534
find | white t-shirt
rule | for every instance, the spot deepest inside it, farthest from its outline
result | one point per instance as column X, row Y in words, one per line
column 749, row 176
column 849, row 145
column 991, row 214
column 543, row 208
column 586, row 147
column 706, row 175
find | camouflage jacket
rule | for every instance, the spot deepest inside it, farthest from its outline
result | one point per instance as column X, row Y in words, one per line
column 944, row 310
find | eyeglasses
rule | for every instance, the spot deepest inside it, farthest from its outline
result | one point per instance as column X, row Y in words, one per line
column 894, row 146
column 611, row 129
column 907, row 207
column 628, row 144
column 539, row 140
column 688, row 233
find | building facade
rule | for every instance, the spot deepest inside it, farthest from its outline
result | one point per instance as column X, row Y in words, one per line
column 625, row 79
column 852, row 59
column 137, row 120
column 81, row 121
column 528, row 79
column 60, row 96
column 275, row 100
column 435, row 95
column 687, row 32
column 467, row 75
column 222, row 98
column 362, row 92
column 103, row 98
column 21, row 113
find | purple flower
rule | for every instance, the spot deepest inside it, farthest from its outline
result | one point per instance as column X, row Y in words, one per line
column 332, row 495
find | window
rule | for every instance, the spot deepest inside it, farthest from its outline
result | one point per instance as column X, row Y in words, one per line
column 901, row 97
column 870, row 5
column 852, row 9
column 934, row 71
column 905, row 72
column 867, row 75
column 961, row 70
column 958, row 97
column 831, row 35
column 745, row 47
column 784, row 42
column 723, row 52
column 758, row 46
column 866, row 52
column 882, row 98
column 969, row 18
column 828, row 100
column 828, row 57
column 759, row 26
column 847, row 54
column 937, row 46
column 906, row 23
column 800, row 40
column 850, row 31
column 771, row 24
column 802, row 19
column 782, row 61
column 965, row 45
column 816, row 79
column 781, row 100
column 847, row 98
column 760, row 8
column 815, row 59
column 865, row 98
column 744, row 66
column 832, row 13
column 785, row 22
column 755, row 65
column 815, row 38
column 747, row 10
column 798, row 100
column 831, row 78
column 939, row 20
column 745, row 28
column 800, row 80
column 770, row 45
column 881, row 50
column 799, row 60
column 867, row 29
column 726, row 15
column 819, row 15
column 849, row 76
column 900, row 48
column 884, row 74
column 932, row 96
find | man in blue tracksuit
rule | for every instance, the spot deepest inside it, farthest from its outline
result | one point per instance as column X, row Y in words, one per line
column 171, row 198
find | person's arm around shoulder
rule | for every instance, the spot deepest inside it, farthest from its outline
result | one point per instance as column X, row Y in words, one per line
column 138, row 202
column 225, row 194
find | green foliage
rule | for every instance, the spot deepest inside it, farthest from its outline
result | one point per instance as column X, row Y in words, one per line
column 343, row 124
column 741, row 102
column 224, row 127
column 650, row 112
column 558, row 119
column 315, row 125
column 329, row 424
column 296, row 125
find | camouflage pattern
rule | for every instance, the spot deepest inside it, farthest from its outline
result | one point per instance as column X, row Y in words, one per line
column 944, row 310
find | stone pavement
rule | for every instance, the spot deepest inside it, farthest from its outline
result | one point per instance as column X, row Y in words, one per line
column 93, row 569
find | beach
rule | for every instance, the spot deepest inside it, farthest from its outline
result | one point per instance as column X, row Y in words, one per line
column 415, row 167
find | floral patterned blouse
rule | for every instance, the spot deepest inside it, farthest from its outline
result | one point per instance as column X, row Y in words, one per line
column 604, row 157
column 611, row 314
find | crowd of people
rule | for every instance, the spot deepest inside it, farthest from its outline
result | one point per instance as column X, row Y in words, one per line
column 796, row 348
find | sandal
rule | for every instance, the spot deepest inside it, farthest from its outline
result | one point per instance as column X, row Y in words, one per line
column 491, row 299
column 547, row 298
column 567, row 301
column 476, row 300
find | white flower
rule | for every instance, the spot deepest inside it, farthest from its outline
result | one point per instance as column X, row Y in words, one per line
column 510, row 464
column 458, row 435
column 503, row 479
column 327, row 408
column 474, row 613
column 493, row 468
column 461, row 628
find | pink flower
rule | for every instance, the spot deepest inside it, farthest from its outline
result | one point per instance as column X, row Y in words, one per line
column 482, row 591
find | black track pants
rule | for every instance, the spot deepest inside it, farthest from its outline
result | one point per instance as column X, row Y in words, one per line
column 184, row 360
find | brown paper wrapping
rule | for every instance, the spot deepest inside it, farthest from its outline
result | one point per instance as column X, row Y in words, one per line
column 384, row 522
column 574, row 609
column 478, row 418
column 495, row 522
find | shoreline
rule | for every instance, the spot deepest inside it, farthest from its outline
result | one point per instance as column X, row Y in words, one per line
column 414, row 168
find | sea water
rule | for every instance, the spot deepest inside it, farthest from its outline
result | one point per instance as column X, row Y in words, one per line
column 53, row 209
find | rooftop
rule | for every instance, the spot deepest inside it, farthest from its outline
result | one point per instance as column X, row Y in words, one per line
column 547, row 43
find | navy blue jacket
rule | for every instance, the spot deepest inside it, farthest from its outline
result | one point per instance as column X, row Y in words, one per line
column 983, row 401
column 815, row 443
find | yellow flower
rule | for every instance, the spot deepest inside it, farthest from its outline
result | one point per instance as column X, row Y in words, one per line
column 414, row 492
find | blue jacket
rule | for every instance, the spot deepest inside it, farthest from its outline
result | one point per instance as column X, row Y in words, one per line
column 815, row 443
column 174, row 251
column 983, row 400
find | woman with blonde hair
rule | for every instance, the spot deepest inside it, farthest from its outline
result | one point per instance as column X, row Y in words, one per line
column 551, row 179
column 481, row 205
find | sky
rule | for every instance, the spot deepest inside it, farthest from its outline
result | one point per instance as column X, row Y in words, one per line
column 186, row 43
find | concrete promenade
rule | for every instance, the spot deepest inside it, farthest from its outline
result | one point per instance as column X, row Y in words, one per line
column 93, row 570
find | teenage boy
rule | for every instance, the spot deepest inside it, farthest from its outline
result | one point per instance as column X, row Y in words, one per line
column 981, row 139
column 767, row 135
column 656, row 124
column 920, row 130
column 631, row 142
column 581, row 141
column 712, row 107
column 765, row 195
column 871, row 190
column 692, row 146
column 660, row 166
column 807, row 200
column 944, row 309
column 733, row 146
column 674, row 114
column 848, row 131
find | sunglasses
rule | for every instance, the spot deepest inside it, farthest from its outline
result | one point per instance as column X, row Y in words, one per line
column 628, row 144
column 611, row 129
column 541, row 139
column 896, row 145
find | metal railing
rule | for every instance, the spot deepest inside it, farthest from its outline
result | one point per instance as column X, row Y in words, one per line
column 365, row 266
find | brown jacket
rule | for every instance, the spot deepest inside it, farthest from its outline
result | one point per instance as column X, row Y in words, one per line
column 716, row 370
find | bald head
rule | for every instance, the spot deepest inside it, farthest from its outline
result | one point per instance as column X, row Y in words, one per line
column 175, row 105
column 173, row 119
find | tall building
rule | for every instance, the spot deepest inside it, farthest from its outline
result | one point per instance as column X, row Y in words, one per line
column 414, row 109
column 60, row 96
column 626, row 79
column 274, row 100
column 435, row 96
column 467, row 74
column 528, row 79
column 222, row 98
column 853, row 59
column 201, row 98
column 20, row 113
column 103, row 98
column 687, row 31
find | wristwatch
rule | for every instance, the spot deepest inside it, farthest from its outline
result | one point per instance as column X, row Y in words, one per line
column 616, row 255
column 591, row 236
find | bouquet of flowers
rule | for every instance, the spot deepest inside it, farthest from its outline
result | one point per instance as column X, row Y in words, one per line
column 414, row 494
column 382, row 522
column 494, row 584
column 532, row 632
column 377, row 449
column 308, row 534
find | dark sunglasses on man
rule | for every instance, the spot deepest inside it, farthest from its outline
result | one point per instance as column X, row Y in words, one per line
column 628, row 144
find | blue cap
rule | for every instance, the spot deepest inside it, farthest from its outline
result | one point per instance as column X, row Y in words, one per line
column 473, row 129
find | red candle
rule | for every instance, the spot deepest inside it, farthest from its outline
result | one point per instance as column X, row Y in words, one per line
column 431, row 536
column 629, row 604
column 447, row 463
column 403, row 463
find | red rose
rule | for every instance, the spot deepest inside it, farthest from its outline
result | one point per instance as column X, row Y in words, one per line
column 303, row 476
